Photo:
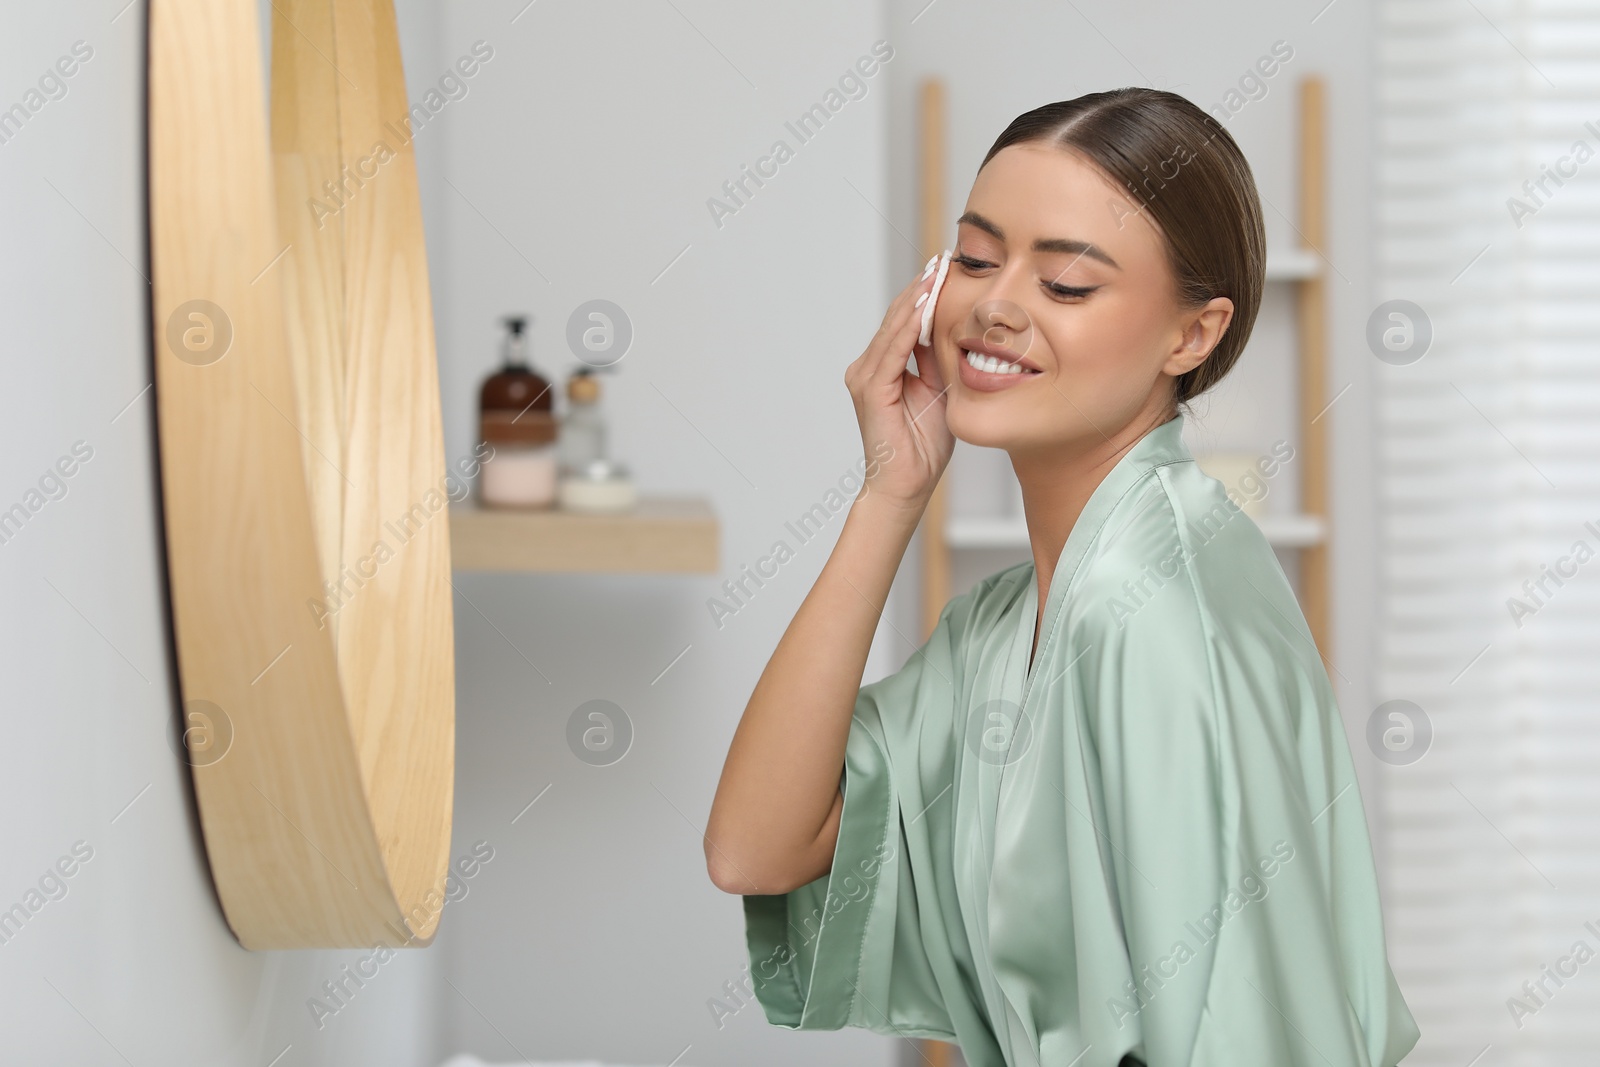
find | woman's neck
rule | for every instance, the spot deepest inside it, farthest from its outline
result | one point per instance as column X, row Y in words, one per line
column 1056, row 484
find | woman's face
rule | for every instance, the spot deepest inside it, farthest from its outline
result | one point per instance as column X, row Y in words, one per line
column 1057, row 271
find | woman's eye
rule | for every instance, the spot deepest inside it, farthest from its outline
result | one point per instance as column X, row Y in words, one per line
column 1070, row 290
column 1073, row 292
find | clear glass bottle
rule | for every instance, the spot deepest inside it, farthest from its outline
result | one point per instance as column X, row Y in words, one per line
column 583, row 429
column 590, row 479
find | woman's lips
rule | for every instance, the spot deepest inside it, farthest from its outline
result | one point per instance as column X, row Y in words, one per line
column 988, row 381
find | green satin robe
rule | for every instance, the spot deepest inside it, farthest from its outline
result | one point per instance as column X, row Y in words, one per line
column 1149, row 842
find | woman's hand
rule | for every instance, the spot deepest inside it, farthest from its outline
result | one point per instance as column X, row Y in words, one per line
column 899, row 409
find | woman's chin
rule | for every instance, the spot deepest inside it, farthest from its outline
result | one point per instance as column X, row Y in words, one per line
column 986, row 425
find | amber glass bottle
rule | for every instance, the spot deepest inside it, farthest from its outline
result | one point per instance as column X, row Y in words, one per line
column 516, row 418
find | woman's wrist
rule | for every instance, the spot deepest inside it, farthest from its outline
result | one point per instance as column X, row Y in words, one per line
column 878, row 509
column 874, row 539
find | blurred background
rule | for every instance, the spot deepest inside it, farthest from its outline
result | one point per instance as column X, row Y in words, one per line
column 583, row 161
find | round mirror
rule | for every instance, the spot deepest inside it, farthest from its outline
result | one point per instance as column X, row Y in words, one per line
column 302, row 468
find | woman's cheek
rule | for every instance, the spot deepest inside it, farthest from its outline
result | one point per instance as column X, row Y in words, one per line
column 945, row 320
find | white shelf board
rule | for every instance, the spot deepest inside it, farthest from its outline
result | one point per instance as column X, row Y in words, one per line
column 1292, row 264
column 977, row 531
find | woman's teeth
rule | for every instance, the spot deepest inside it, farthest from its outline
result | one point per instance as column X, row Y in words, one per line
column 992, row 365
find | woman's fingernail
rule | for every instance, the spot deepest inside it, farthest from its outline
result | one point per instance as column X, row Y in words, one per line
column 932, row 264
column 920, row 300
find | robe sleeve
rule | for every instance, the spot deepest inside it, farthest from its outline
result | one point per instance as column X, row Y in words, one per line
column 867, row 945
column 1233, row 826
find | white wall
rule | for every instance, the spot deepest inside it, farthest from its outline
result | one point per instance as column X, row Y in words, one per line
column 134, row 963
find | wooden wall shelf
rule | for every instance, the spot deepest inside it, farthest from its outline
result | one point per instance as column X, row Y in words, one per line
column 667, row 535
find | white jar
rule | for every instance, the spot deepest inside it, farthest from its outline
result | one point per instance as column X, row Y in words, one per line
column 601, row 486
column 519, row 476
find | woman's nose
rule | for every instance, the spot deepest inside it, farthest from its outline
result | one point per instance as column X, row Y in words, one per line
column 1006, row 324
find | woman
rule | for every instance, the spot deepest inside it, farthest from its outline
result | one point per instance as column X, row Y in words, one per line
column 1107, row 813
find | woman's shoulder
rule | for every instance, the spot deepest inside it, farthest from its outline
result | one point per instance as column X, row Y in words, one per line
column 1177, row 546
column 1184, row 595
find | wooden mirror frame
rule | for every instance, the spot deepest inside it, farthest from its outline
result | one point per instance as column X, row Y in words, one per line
column 302, row 469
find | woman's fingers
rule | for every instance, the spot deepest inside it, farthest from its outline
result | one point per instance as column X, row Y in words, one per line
column 894, row 342
column 928, row 367
column 893, row 405
column 901, row 307
column 866, row 368
column 892, row 313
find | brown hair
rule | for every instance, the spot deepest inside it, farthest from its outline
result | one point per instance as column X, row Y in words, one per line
column 1186, row 171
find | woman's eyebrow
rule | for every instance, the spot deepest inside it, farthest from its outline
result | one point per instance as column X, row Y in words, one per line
column 1043, row 244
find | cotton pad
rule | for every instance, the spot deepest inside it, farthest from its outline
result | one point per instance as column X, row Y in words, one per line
column 926, row 336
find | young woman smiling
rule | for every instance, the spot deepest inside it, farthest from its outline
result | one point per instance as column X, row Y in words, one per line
column 1106, row 814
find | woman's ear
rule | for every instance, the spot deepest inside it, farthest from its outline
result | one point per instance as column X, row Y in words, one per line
column 1201, row 332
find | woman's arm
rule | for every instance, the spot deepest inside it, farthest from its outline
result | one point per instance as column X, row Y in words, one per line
column 775, row 818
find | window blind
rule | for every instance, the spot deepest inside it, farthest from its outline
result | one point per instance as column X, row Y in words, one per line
column 1487, row 115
